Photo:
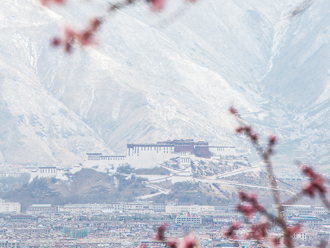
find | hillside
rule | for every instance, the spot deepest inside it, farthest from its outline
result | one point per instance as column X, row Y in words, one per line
column 85, row 186
column 214, row 187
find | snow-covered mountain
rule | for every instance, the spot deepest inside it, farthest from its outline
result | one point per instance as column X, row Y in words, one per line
column 164, row 76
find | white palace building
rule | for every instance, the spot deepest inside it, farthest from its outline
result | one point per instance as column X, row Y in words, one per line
column 148, row 155
column 48, row 172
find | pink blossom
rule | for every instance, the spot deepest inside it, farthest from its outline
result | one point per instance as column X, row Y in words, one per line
column 47, row 2
column 243, row 196
column 84, row 37
column 247, row 130
column 55, row 42
column 188, row 242
column 233, row 111
column 309, row 172
column 246, row 210
column 272, row 139
column 157, row 5
column 254, row 137
column 230, row 231
column 275, row 241
column 251, row 207
column 172, row 243
column 239, row 129
column 258, row 231
column 94, row 24
column 316, row 183
column 293, row 229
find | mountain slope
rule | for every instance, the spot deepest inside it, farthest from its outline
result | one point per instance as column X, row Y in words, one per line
column 154, row 77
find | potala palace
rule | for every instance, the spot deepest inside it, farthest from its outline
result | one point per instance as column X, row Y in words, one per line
column 142, row 156
column 149, row 155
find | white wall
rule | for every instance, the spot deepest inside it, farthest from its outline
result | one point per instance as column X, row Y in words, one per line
column 47, row 172
column 105, row 161
column 222, row 150
column 148, row 156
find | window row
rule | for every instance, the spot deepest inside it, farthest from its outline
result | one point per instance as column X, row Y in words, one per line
column 112, row 158
column 47, row 170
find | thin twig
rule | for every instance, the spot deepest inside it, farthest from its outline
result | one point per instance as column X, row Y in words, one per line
column 121, row 5
column 265, row 155
column 325, row 202
column 294, row 199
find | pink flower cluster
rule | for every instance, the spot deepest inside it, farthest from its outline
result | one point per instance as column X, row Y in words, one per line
column 172, row 243
column 252, row 135
column 83, row 38
column 247, row 130
column 230, row 232
column 187, row 242
column 288, row 235
column 158, row 5
column 250, row 205
column 315, row 184
column 275, row 241
column 258, row 231
column 233, row 111
column 272, row 140
column 48, row 2
column 290, row 231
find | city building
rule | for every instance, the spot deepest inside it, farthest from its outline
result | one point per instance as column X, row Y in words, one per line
column 86, row 208
column 41, row 209
column 188, row 209
column 9, row 207
column 188, row 219
column 296, row 210
column 307, row 220
column 10, row 243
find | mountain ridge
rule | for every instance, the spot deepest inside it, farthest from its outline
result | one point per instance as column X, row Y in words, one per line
column 144, row 83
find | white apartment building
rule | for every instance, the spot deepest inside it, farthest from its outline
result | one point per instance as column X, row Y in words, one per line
column 188, row 209
column 9, row 207
column 86, row 208
column 304, row 210
column 41, row 209
column 188, row 219
column 142, row 207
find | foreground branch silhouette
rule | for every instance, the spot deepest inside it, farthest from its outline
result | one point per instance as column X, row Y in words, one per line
column 86, row 36
column 310, row 189
column 250, row 206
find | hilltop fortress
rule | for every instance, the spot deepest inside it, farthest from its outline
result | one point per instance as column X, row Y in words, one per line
column 148, row 155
